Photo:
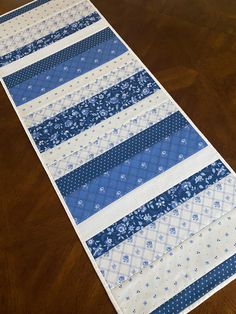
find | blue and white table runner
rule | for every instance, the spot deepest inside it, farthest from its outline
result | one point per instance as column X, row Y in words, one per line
column 153, row 203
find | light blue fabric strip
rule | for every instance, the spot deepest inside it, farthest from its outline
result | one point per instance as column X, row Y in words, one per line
column 122, row 179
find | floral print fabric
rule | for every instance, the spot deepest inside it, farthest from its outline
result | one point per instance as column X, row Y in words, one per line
column 92, row 111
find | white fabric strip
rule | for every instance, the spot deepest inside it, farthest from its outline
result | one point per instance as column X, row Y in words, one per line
column 83, row 139
column 51, row 49
column 78, row 82
column 83, row 93
column 108, row 140
column 27, row 19
column 174, row 272
column 141, row 195
column 43, row 28
column 167, row 232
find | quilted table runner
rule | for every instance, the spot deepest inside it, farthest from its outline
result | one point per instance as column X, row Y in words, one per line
column 151, row 200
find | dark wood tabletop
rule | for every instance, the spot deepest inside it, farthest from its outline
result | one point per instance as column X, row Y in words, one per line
column 190, row 46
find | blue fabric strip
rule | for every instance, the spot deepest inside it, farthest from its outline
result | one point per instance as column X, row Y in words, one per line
column 199, row 288
column 49, row 39
column 58, row 57
column 122, row 179
column 149, row 212
column 22, row 10
column 66, row 71
column 74, row 120
column 120, row 153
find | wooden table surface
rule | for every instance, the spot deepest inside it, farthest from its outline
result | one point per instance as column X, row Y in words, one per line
column 191, row 48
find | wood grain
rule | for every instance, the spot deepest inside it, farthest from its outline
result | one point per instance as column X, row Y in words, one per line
column 191, row 47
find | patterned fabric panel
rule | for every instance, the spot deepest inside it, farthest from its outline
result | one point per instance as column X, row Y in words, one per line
column 98, row 166
column 110, row 139
column 44, row 28
column 22, row 10
column 186, row 264
column 75, row 120
column 83, row 93
column 73, row 85
column 41, row 77
column 134, row 172
column 106, row 126
column 49, row 39
column 148, row 213
column 58, row 57
column 161, row 236
column 199, row 288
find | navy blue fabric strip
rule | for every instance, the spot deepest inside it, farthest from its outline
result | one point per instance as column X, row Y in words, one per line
column 199, row 288
column 49, row 39
column 154, row 209
column 22, row 10
column 58, row 57
column 118, row 154
column 90, row 112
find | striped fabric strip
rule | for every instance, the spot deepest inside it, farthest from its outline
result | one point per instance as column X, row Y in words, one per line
column 58, row 57
column 58, row 129
column 49, row 39
column 199, row 288
column 133, row 172
column 146, row 214
column 22, row 10
column 120, row 153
